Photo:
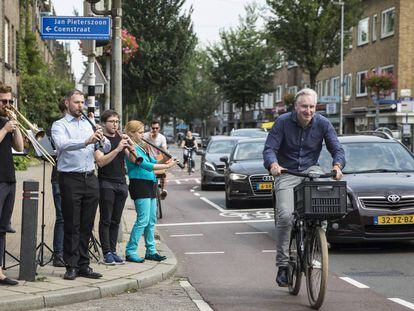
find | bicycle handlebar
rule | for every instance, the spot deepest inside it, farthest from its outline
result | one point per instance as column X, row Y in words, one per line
column 310, row 174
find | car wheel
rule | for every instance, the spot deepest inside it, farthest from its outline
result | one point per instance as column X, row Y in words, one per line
column 230, row 203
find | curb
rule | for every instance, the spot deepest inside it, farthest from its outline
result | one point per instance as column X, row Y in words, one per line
column 160, row 272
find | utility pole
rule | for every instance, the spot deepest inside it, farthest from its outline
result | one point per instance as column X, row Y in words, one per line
column 91, row 80
column 116, row 60
column 341, row 88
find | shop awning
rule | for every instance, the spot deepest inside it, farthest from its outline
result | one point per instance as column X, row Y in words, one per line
column 267, row 125
column 181, row 126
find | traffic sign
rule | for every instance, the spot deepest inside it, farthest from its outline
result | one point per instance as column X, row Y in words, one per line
column 329, row 99
column 75, row 28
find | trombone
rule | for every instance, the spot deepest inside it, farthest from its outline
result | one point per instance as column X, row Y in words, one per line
column 24, row 126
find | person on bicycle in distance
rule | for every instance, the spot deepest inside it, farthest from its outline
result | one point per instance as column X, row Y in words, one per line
column 295, row 143
column 189, row 142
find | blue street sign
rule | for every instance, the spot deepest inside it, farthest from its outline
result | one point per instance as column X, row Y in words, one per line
column 329, row 99
column 75, row 28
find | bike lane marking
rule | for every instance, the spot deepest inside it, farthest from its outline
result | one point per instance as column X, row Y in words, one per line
column 185, row 235
column 402, row 302
column 353, row 282
column 204, row 253
column 201, row 304
column 252, row 232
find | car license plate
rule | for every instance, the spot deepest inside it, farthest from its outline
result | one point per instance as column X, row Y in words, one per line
column 265, row 186
column 394, row 220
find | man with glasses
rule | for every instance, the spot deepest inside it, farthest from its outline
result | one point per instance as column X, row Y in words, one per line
column 113, row 190
column 10, row 136
column 159, row 140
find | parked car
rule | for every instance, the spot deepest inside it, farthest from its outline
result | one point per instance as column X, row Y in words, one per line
column 380, row 178
column 246, row 180
column 212, row 169
column 249, row 132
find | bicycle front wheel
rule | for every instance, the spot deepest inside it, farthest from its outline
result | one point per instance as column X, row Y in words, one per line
column 295, row 271
column 317, row 267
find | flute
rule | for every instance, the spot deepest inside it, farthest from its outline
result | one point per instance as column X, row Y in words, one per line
column 162, row 151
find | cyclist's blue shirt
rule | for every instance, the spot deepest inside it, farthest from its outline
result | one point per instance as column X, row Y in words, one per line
column 144, row 170
column 296, row 148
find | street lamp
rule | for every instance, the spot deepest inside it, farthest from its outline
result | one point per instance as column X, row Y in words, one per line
column 341, row 89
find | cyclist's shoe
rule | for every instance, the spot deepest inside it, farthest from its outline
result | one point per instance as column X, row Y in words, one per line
column 163, row 194
column 282, row 276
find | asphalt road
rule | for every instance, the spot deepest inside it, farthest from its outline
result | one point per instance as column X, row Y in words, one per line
column 228, row 256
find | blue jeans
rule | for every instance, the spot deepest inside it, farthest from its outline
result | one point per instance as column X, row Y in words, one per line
column 58, row 230
column 145, row 224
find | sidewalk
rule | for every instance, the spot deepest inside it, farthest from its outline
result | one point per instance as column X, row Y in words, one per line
column 50, row 289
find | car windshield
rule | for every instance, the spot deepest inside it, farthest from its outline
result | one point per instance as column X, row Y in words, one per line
column 249, row 133
column 249, row 151
column 221, row 146
column 372, row 157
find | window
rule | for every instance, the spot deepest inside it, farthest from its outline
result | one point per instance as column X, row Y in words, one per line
column 335, row 86
column 6, row 41
column 281, row 59
column 278, row 94
column 293, row 90
column 363, row 31
column 326, row 88
column 351, row 37
column 387, row 22
column 319, row 88
column 348, row 85
column 268, row 100
column 387, row 69
column 374, row 27
column 361, row 89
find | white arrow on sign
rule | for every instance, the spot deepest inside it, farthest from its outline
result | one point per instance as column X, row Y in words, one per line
column 48, row 28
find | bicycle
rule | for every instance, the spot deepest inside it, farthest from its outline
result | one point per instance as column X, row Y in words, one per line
column 315, row 202
column 190, row 161
column 158, row 196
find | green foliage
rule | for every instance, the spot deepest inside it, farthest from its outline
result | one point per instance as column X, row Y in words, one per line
column 308, row 31
column 20, row 163
column 244, row 62
column 41, row 87
column 166, row 41
column 194, row 96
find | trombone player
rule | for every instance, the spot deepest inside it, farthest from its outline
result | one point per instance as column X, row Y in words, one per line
column 10, row 136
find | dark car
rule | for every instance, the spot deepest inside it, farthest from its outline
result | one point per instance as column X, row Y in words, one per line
column 212, row 169
column 246, row 180
column 249, row 132
column 380, row 178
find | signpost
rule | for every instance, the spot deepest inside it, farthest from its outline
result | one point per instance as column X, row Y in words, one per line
column 75, row 28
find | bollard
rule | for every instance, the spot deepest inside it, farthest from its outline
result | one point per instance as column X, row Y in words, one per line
column 29, row 231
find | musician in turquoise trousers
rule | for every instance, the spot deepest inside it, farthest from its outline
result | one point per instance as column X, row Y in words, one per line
column 142, row 188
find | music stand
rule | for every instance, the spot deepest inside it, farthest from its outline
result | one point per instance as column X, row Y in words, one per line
column 47, row 145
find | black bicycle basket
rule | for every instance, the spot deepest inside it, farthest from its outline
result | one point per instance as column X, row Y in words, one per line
column 320, row 199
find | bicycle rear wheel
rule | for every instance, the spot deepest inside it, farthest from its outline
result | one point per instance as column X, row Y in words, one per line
column 295, row 272
column 317, row 267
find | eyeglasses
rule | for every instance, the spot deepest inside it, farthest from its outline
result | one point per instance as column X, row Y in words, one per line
column 155, row 128
column 7, row 101
column 113, row 121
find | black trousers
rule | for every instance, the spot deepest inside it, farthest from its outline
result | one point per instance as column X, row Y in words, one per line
column 80, row 197
column 112, row 197
column 7, row 195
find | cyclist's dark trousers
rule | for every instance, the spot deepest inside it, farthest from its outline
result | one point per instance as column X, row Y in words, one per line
column 284, row 185
column 112, row 197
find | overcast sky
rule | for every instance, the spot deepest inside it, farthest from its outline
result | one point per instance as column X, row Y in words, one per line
column 209, row 17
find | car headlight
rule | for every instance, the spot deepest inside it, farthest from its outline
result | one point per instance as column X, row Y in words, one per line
column 209, row 167
column 234, row 176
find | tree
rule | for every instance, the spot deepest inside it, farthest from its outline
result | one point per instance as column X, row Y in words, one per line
column 243, row 62
column 195, row 96
column 166, row 39
column 308, row 31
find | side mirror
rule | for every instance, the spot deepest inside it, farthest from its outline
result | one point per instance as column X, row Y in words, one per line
column 225, row 159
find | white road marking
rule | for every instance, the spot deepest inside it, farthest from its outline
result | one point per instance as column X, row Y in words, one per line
column 185, row 235
column 353, row 282
column 192, row 190
column 201, row 304
column 253, row 232
column 216, row 206
column 198, row 181
column 203, row 253
column 196, row 194
column 269, row 251
column 213, row 222
column 402, row 302
column 178, row 182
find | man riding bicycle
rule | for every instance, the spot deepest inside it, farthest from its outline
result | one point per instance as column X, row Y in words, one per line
column 294, row 143
column 189, row 144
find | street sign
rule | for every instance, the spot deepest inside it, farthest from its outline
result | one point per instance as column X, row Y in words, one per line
column 75, row 28
column 329, row 99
